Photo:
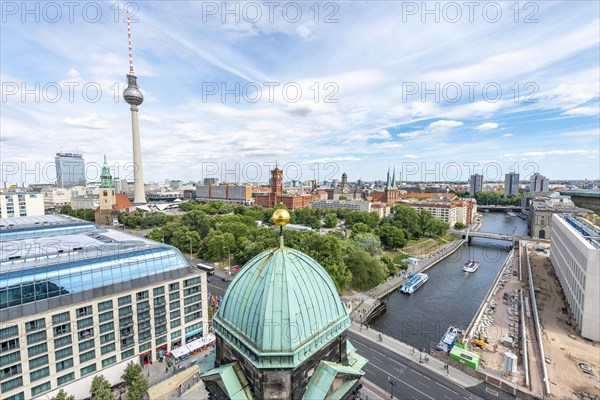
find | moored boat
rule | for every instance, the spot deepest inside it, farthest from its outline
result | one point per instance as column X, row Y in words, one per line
column 414, row 283
column 448, row 340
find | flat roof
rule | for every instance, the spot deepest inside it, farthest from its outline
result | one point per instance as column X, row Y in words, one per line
column 582, row 192
column 45, row 225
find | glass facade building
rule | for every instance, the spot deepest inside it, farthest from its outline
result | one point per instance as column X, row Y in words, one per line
column 70, row 170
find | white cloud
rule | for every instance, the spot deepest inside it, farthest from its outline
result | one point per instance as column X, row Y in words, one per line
column 582, row 112
column 558, row 153
column 507, row 135
column 488, row 126
column 444, row 125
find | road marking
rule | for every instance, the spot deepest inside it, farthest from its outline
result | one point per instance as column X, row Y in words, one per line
column 427, row 386
column 375, row 358
column 448, row 397
column 418, row 373
column 446, row 387
column 406, row 383
column 491, row 391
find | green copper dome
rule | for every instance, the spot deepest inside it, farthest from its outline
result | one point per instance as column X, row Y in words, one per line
column 281, row 308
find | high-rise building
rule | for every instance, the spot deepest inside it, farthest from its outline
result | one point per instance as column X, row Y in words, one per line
column 575, row 256
column 90, row 306
column 511, row 184
column 538, row 183
column 282, row 332
column 476, row 184
column 70, row 170
column 21, row 203
column 134, row 97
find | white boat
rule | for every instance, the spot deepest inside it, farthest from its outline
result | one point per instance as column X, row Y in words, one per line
column 414, row 283
column 511, row 214
column 448, row 339
column 471, row 266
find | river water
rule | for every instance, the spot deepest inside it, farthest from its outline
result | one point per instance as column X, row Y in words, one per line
column 450, row 296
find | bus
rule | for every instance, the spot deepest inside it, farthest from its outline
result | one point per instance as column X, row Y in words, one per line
column 210, row 270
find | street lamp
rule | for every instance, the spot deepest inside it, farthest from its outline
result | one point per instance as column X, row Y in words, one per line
column 228, row 260
column 191, row 261
column 393, row 384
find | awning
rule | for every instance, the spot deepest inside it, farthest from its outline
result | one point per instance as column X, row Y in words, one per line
column 199, row 343
column 180, row 351
column 193, row 333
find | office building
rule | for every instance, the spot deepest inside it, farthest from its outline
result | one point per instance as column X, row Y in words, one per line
column 541, row 209
column 56, row 198
column 76, row 301
column 70, row 170
column 476, row 184
column 538, row 183
column 356, row 205
column 511, row 184
column 17, row 203
column 575, row 256
column 231, row 194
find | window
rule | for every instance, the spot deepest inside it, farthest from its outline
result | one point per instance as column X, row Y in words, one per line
column 142, row 336
column 38, row 362
column 192, row 299
column 158, row 291
column 142, row 295
column 62, row 317
column 84, row 311
column 13, row 383
column 87, row 356
column 85, row 334
column 160, row 320
column 124, row 300
column 10, row 371
column 88, row 370
column 44, row 387
column 18, row 396
column 175, row 314
column 126, row 343
column 193, row 327
column 10, row 358
column 108, row 348
column 64, row 364
column 192, row 290
column 39, row 374
column 10, row 331
column 62, row 329
column 109, row 361
column 159, row 330
column 35, row 325
column 61, row 380
column 126, row 332
column 191, row 281
column 84, row 323
column 173, row 287
column 107, row 316
column 9, row 345
column 109, row 337
column 89, row 344
column 142, row 316
column 125, row 311
column 159, row 300
column 144, row 305
column 127, row 354
column 192, row 308
column 173, row 296
column 175, row 323
column 35, row 350
column 161, row 340
column 109, row 326
column 192, row 317
column 105, row 305
column 62, row 353
column 175, row 334
column 145, row 346
column 160, row 310
column 175, row 304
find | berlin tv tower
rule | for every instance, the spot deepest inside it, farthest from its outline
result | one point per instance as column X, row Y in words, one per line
column 134, row 97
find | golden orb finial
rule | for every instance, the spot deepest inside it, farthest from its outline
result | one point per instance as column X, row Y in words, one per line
column 281, row 217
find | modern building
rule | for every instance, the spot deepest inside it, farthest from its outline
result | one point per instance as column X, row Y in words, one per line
column 76, row 301
column 541, row 209
column 231, row 194
column 511, row 184
column 56, row 198
column 476, row 184
column 356, row 205
column 575, row 255
column 451, row 212
column 19, row 203
column 585, row 198
column 85, row 202
column 210, row 181
column 538, row 183
column 282, row 333
column 70, row 170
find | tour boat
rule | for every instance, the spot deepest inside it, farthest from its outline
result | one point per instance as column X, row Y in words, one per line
column 471, row 266
column 447, row 341
column 414, row 283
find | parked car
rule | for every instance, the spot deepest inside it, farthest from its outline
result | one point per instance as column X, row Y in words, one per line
column 585, row 369
column 225, row 279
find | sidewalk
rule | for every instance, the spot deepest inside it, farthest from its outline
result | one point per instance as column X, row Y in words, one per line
column 405, row 350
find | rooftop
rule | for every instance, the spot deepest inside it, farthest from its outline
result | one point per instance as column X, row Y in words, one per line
column 585, row 229
column 45, row 225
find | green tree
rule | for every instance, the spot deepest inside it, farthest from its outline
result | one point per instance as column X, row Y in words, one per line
column 330, row 220
column 214, row 246
column 368, row 242
column 343, row 198
column 62, row 395
column 131, row 371
column 359, row 228
column 407, row 218
column 198, row 221
column 367, row 271
column 391, row 236
column 459, row 225
column 136, row 384
column 101, row 389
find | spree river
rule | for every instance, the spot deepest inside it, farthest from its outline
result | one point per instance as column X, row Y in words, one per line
column 450, row 296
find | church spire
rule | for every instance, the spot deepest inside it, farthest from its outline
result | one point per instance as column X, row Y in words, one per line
column 105, row 176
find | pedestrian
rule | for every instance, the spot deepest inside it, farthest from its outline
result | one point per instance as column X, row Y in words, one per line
column 414, row 350
column 166, row 369
column 380, row 338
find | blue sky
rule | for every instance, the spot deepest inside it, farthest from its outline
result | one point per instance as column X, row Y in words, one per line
column 369, row 74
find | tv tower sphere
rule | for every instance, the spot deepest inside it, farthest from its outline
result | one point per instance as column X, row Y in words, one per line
column 132, row 94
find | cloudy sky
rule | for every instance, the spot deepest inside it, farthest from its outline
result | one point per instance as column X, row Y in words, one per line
column 349, row 87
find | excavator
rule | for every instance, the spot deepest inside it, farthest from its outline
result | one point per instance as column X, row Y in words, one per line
column 478, row 340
